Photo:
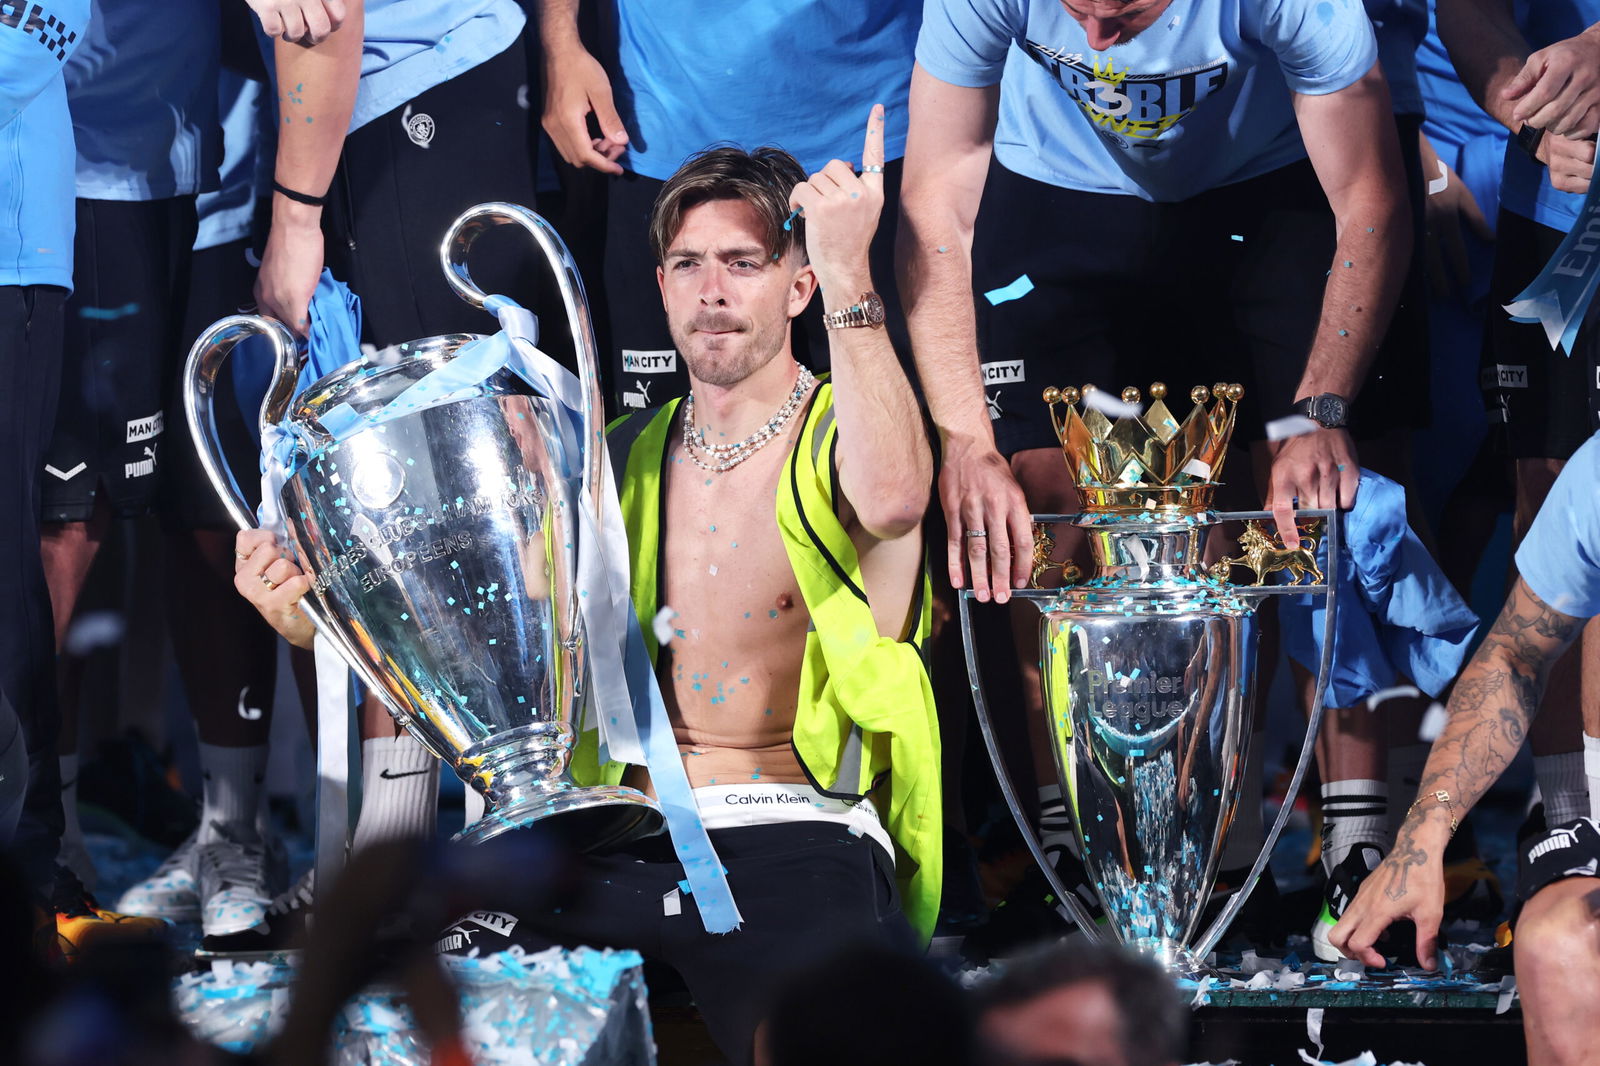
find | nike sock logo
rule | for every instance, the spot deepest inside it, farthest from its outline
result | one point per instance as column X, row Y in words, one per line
column 390, row 775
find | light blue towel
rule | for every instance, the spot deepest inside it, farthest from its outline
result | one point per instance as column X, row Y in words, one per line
column 1398, row 617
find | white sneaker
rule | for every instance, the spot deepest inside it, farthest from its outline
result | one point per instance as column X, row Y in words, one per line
column 172, row 892
column 282, row 930
column 237, row 881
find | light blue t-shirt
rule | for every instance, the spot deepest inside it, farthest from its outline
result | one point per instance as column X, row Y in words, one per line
column 1560, row 556
column 36, row 208
column 1200, row 99
column 412, row 45
column 1465, row 136
column 143, row 93
column 799, row 74
column 1526, row 188
column 226, row 214
column 1400, row 26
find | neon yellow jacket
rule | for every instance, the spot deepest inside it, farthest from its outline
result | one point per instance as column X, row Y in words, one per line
column 865, row 722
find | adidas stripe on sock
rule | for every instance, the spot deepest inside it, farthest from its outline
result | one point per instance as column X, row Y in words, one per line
column 1353, row 812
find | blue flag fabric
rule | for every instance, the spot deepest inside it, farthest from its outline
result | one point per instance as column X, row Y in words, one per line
column 1559, row 297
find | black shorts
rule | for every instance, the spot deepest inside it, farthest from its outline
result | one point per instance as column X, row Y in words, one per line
column 221, row 285
column 1571, row 850
column 1542, row 402
column 805, row 890
column 641, row 363
column 123, row 344
column 407, row 174
column 1225, row 286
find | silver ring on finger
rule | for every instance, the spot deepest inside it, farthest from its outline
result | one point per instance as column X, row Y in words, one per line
column 872, row 168
column 977, row 533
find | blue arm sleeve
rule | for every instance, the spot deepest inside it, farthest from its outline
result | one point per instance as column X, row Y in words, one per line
column 965, row 42
column 1322, row 45
column 1560, row 556
column 36, row 37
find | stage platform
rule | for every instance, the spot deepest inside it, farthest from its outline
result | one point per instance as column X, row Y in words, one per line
column 1263, row 1010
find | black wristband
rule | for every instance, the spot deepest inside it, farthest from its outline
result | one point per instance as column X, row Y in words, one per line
column 1528, row 138
column 299, row 197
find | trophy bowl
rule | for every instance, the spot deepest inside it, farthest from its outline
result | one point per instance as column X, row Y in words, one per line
column 1147, row 670
column 442, row 543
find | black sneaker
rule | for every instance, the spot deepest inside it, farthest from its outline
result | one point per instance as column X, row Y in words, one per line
column 1343, row 883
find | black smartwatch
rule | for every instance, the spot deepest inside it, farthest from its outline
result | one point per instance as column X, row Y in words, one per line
column 1328, row 410
column 1528, row 139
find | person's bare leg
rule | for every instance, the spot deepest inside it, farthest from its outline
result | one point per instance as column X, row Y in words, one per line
column 1557, row 949
column 68, row 550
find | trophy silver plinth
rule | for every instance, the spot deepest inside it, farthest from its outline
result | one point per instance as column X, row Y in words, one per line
column 443, row 546
column 1148, row 671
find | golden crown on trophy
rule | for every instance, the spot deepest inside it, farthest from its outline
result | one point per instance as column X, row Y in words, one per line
column 1148, row 461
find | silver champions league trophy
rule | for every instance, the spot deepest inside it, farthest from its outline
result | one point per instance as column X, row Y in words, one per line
column 1148, row 668
column 443, row 546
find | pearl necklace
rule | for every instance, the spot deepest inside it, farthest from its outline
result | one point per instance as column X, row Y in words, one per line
column 727, row 456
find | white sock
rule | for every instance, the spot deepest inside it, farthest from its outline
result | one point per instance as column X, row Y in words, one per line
column 399, row 791
column 1353, row 812
column 1591, row 770
column 1055, row 824
column 1405, row 776
column 1247, row 834
column 1563, row 785
column 231, row 787
column 74, row 853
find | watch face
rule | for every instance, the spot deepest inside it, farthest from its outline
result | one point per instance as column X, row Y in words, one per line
column 872, row 305
column 1330, row 410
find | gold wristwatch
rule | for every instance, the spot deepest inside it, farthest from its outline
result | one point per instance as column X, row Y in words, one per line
column 866, row 311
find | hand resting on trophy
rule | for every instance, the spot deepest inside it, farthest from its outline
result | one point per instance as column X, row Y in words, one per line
column 266, row 577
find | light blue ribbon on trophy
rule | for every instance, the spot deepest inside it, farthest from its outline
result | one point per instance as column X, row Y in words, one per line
column 1560, row 295
column 625, row 695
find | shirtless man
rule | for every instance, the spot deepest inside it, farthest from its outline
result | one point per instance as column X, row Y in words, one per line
column 780, row 519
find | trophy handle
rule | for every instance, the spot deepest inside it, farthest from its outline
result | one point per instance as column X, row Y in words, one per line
column 200, row 390
column 199, row 399
column 1328, row 589
column 1069, row 901
column 453, row 251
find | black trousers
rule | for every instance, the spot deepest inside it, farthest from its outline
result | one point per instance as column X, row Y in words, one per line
column 407, row 174
column 806, row 890
column 30, row 379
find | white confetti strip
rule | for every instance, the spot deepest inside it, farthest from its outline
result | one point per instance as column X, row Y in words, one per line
column 1383, row 695
column 1291, row 426
column 1433, row 723
column 661, row 625
column 1109, row 405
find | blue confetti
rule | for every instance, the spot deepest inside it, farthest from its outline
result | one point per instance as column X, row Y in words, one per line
column 1015, row 291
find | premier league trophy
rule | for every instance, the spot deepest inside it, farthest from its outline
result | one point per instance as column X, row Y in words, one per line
column 1148, row 667
column 443, row 544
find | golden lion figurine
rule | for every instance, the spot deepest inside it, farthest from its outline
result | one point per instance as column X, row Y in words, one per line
column 1265, row 554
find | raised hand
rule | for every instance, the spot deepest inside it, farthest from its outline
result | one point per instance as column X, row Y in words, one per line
column 841, row 210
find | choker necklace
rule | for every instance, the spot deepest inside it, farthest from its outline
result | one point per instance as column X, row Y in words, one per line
column 724, row 457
